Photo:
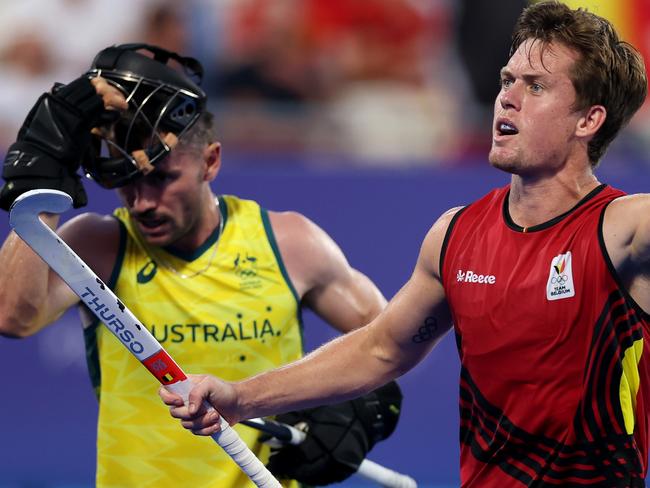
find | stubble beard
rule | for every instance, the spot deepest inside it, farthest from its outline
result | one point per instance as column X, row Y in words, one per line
column 503, row 163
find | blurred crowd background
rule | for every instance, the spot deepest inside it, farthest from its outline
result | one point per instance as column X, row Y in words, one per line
column 394, row 96
column 389, row 83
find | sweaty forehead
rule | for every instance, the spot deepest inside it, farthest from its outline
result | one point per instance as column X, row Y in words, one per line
column 541, row 57
column 179, row 159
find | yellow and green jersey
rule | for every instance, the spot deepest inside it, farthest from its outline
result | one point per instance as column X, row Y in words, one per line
column 228, row 309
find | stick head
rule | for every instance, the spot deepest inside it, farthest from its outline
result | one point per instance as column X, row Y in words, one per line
column 28, row 205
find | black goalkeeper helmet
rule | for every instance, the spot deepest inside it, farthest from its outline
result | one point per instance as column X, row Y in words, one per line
column 163, row 93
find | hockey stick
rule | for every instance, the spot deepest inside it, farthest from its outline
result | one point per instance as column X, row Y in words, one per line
column 370, row 470
column 25, row 221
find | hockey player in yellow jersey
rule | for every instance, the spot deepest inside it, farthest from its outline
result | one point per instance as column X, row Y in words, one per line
column 218, row 280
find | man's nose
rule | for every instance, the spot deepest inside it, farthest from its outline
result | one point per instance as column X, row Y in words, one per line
column 140, row 197
column 511, row 98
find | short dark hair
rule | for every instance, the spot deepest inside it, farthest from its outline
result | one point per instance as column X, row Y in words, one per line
column 609, row 72
column 203, row 132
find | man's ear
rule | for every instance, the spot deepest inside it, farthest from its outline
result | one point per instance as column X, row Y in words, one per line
column 212, row 160
column 591, row 121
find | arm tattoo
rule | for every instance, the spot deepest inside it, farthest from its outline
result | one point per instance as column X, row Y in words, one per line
column 427, row 332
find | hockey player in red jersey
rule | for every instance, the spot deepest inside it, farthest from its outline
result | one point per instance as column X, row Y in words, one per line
column 546, row 284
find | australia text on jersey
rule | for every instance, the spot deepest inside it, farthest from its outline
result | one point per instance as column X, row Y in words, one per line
column 259, row 330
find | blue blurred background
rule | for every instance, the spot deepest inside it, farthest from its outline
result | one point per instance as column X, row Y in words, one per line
column 371, row 117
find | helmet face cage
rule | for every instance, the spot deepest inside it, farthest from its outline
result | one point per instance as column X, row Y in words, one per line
column 161, row 100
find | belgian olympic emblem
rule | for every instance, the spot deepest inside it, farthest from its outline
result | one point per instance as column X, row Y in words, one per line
column 560, row 278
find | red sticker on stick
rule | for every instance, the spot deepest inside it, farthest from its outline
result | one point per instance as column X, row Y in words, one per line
column 163, row 367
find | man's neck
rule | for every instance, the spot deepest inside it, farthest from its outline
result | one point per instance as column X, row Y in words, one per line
column 205, row 225
column 533, row 202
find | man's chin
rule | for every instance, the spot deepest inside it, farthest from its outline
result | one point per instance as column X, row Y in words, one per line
column 155, row 237
column 503, row 163
column 158, row 241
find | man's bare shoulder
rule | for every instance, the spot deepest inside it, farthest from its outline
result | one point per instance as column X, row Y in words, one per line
column 95, row 238
column 298, row 235
column 312, row 258
column 630, row 203
column 293, row 224
column 626, row 216
column 446, row 218
column 431, row 248
column 439, row 228
column 626, row 229
column 90, row 225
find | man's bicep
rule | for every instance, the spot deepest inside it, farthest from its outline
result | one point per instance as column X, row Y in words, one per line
column 31, row 294
column 626, row 233
column 415, row 319
column 348, row 300
column 418, row 316
column 641, row 242
column 324, row 279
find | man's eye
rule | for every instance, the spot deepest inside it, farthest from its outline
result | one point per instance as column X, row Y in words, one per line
column 506, row 83
column 160, row 177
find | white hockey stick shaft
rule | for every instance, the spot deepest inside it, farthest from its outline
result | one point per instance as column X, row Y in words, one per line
column 25, row 221
column 368, row 469
column 384, row 476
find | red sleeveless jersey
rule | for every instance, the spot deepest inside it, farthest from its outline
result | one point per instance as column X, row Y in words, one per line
column 555, row 369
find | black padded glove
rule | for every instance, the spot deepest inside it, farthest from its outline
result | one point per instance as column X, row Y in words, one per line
column 51, row 142
column 338, row 437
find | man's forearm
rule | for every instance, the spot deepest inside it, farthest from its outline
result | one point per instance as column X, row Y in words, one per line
column 23, row 285
column 344, row 368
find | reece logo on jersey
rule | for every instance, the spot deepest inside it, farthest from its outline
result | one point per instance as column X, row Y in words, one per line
column 560, row 278
column 470, row 276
